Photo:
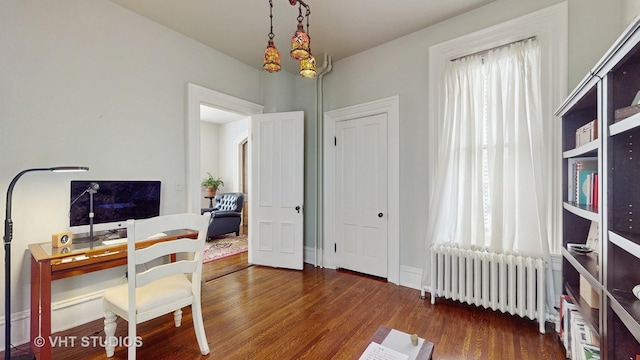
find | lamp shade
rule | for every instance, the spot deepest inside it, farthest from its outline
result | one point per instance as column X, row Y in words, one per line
column 271, row 58
column 308, row 67
column 300, row 43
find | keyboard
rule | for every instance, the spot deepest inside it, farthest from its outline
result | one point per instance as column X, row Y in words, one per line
column 124, row 240
column 114, row 241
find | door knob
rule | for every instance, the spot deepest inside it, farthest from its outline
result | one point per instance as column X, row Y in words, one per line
column 380, row 214
column 298, row 209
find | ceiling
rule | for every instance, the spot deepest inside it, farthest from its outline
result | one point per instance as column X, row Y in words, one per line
column 218, row 116
column 339, row 28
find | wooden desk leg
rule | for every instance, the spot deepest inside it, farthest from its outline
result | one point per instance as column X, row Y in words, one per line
column 35, row 304
column 45, row 303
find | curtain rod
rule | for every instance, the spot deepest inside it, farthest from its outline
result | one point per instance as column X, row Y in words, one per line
column 493, row 48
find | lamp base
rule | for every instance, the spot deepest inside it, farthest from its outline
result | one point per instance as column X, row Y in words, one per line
column 24, row 357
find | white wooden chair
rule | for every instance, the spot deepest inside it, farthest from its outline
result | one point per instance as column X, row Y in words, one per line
column 163, row 287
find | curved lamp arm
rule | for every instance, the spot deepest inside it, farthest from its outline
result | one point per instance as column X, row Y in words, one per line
column 8, row 224
column 8, row 236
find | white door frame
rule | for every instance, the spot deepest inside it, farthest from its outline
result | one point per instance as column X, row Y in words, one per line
column 197, row 95
column 390, row 106
column 238, row 162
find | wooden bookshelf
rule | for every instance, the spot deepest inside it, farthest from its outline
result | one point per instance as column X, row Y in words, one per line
column 612, row 269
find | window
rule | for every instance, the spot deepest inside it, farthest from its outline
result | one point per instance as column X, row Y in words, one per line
column 549, row 28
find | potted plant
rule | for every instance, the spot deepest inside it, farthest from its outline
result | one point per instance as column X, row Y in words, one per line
column 211, row 185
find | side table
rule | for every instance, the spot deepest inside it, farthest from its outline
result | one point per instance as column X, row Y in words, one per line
column 401, row 342
column 210, row 200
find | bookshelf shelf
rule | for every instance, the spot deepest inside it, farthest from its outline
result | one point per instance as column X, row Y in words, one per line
column 586, row 149
column 629, row 242
column 627, row 307
column 591, row 315
column 621, row 126
column 586, row 211
column 608, row 93
column 585, row 265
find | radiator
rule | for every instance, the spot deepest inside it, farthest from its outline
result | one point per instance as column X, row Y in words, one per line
column 507, row 283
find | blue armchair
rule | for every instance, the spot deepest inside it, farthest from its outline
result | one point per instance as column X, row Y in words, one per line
column 226, row 215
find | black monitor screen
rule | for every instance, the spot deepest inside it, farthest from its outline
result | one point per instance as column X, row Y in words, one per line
column 113, row 201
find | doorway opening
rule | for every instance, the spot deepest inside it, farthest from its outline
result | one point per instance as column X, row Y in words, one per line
column 228, row 137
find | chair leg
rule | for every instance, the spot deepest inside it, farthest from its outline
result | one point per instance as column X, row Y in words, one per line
column 177, row 317
column 110, row 332
column 132, row 338
column 198, row 326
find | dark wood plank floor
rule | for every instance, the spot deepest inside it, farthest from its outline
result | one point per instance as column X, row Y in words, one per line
column 265, row 313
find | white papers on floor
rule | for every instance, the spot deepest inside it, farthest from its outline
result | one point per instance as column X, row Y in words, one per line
column 396, row 342
column 376, row 351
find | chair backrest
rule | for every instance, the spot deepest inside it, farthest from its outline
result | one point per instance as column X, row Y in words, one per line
column 153, row 227
column 230, row 202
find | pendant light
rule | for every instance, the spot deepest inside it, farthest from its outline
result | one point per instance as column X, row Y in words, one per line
column 300, row 44
column 308, row 66
column 300, row 41
column 271, row 54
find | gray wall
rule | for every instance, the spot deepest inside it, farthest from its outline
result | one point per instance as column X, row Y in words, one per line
column 400, row 67
column 87, row 82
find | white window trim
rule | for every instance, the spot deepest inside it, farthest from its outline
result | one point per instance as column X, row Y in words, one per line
column 550, row 27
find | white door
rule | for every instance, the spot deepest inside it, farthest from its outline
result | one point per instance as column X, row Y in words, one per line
column 277, row 190
column 361, row 194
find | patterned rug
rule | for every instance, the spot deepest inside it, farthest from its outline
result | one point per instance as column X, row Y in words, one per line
column 225, row 245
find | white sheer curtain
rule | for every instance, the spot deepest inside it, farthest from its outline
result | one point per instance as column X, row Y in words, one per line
column 491, row 189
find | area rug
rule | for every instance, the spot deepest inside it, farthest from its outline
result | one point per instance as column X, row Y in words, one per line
column 225, row 245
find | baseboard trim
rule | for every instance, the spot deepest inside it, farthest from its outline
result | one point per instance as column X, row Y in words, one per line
column 65, row 314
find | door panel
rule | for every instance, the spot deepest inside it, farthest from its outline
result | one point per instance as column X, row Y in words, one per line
column 277, row 190
column 361, row 193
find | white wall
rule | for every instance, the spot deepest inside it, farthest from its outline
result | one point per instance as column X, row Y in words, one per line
column 90, row 83
column 218, row 153
column 400, row 67
column 209, row 152
column 230, row 133
column 631, row 9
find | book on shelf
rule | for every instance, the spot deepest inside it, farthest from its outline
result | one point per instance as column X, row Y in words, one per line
column 575, row 165
column 578, row 339
column 585, row 186
column 581, row 337
column 590, row 352
column 567, row 308
column 594, row 190
column 565, row 300
column 625, row 112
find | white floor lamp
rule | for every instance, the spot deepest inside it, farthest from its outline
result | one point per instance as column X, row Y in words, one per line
column 8, row 236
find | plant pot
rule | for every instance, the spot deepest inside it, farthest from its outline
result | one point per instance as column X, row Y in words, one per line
column 210, row 192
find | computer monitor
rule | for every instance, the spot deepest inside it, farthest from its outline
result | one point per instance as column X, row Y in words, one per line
column 114, row 202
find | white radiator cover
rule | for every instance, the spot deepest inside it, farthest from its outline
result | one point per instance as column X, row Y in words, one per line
column 508, row 283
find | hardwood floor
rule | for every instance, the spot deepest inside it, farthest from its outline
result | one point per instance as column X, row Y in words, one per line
column 266, row 313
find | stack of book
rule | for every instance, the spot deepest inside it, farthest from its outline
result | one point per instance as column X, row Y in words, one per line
column 583, row 181
column 587, row 133
column 579, row 341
